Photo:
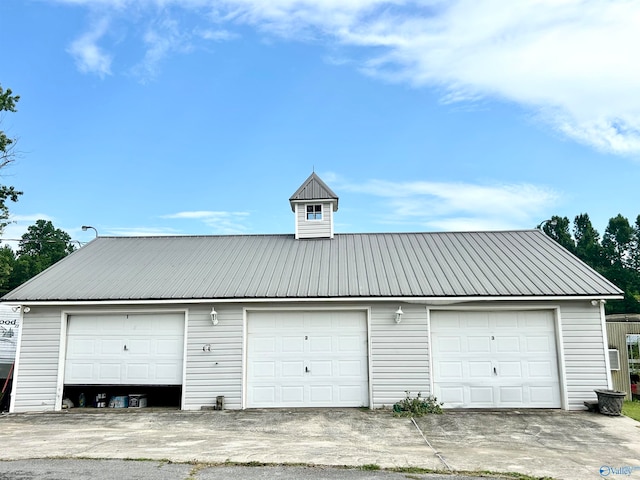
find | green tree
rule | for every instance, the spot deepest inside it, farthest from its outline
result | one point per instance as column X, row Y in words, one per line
column 45, row 241
column 616, row 241
column 40, row 247
column 588, row 248
column 7, row 155
column 7, row 263
column 558, row 229
column 635, row 246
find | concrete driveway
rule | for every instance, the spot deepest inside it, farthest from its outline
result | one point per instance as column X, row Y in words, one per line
column 555, row 444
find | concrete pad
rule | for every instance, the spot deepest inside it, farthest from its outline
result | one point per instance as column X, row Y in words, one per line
column 571, row 446
column 563, row 445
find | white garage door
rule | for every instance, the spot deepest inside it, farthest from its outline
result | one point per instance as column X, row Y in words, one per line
column 134, row 349
column 307, row 359
column 495, row 359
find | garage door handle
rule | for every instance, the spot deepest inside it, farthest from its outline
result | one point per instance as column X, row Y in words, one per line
column 125, row 348
column 495, row 371
column 306, row 369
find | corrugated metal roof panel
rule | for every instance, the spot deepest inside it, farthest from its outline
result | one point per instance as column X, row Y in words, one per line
column 313, row 188
column 465, row 264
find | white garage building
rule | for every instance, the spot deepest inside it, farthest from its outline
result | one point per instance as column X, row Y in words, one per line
column 503, row 319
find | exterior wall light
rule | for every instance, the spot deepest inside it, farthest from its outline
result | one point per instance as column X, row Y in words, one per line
column 214, row 316
column 399, row 314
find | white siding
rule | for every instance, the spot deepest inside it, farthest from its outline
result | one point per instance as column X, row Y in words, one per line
column 584, row 352
column 399, row 353
column 219, row 371
column 36, row 376
column 314, row 228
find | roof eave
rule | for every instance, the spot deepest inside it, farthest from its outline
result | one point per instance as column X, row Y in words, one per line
column 422, row 300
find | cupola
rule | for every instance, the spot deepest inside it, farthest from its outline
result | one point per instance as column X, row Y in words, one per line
column 313, row 205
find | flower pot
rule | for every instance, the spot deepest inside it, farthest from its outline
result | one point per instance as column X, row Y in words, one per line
column 610, row 401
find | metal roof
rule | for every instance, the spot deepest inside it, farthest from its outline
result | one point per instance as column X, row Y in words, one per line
column 471, row 264
column 313, row 188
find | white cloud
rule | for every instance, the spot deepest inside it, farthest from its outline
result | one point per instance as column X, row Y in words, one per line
column 161, row 38
column 89, row 57
column 458, row 206
column 216, row 35
column 571, row 62
column 225, row 223
column 140, row 232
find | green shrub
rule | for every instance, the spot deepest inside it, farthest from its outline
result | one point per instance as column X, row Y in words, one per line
column 416, row 406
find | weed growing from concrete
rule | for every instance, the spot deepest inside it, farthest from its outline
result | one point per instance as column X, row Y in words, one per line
column 417, row 406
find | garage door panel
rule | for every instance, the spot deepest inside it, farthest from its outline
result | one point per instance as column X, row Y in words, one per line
column 107, row 346
column 507, row 344
column 264, row 394
column 171, row 347
column 165, row 374
column 292, row 395
column 449, row 344
column 477, row 321
column 263, row 344
column 540, row 369
column 291, row 369
column 350, row 393
column 542, row 394
column 478, row 370
column 482, row 396
column 350, row 368
column 539, row 344
column 321, row 368
column 139, row 347
column 507, row 359
column 478, row 344
column 107, row 373
column 449, row 370
column 512, row 370
column 352, row 343
column 135, row 373
column 82, row 347
column 321, row 395
column 506, row 321
column 83, row 370
column 125, row 349
column 318, row 344
column 511, row 395
column 290, row 322
column 292, row 344
column 451, row 394
column 320, row 359
column 264, row 370
column 346, row 323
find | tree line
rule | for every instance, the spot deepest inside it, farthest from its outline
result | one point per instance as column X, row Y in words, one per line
column 615, row 255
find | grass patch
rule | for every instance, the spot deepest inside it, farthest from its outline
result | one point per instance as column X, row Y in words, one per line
column 370, row 466
column 484, row 473
column 631, row 409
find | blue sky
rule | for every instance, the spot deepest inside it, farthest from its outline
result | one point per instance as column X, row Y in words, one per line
column 170, row 117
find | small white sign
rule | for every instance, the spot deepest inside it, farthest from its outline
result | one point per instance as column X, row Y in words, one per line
column 9, row 325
